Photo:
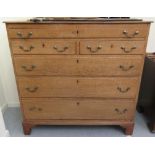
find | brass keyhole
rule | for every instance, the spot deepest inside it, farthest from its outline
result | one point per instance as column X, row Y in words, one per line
column 77, row 103
column 77, row 61
column 112, row 46
column 43, row 45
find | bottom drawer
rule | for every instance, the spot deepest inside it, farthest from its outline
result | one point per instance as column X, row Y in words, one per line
column 60, row 108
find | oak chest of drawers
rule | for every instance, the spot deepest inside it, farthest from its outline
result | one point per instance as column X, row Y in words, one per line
column 78, row 73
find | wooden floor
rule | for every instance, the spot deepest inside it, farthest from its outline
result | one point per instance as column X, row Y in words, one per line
column 12, row 119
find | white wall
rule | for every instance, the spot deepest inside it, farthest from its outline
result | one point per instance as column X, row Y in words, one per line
column 151, row 39
column 8, row 90
column 2, row 98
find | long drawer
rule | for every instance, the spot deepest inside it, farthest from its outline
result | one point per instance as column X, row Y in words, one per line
column 79, row 65
column 126, row 31
column 78, row 87
column 74, row 108
column 43, row 46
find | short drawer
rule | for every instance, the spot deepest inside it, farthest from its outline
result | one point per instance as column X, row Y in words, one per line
column 57, row 108
column 126, row 31
column 112, row 47
column 43, row 46
column 43, row 31
column 78, row 87
column 79, row 65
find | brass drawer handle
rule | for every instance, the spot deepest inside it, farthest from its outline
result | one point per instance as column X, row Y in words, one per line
column 123, row 91
column 35, row 108
column 31, row 68
column 125, row 32
column 26, row 50
column 32, row 108
column 40, row 109
column 60, row 50
column 20, row 35
column 128, row 50
column 126, row 68
column 121, row 111
column 32, row 90
column 95, row 50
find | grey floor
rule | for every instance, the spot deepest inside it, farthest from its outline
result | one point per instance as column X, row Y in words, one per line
column 12, row 118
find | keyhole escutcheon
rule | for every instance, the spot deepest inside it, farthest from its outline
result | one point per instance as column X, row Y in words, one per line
column 77, row 103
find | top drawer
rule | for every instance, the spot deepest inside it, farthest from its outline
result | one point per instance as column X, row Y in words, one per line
column 124, row 31
column 128, row 31
column 43, row 31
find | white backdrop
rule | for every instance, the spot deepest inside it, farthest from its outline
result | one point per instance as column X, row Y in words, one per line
column 8, row 90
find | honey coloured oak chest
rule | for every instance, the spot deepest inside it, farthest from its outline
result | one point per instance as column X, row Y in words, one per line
column 78, row 72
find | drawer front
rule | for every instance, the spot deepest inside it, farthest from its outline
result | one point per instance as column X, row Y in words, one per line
column 78, row 87
column 43, row 31
column 112, row 47
column 126, row 31
column 43, row 46
column 79, row 65
column 56, row 108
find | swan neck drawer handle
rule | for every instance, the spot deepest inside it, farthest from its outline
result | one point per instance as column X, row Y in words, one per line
column 32, row 108
column 123, row 91
column 32, row 90
column 121, row 111
column 26, row 50
column 95, row 50
column 35, row 109
column 31, row 68
column 125, row 32
column 60, row 50
column 126, row 68
column 20, row 35
column 128, row 50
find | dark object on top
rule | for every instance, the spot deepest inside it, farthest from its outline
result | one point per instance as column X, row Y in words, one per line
column 48, row 19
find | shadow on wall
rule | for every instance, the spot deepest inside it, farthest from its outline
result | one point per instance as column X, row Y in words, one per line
column 147, row 89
